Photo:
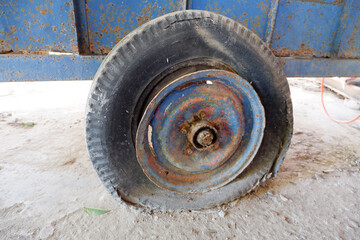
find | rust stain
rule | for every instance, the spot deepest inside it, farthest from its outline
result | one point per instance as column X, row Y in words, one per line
column 302, row 51
column 353, row 48
column 44, row 11
column 119, row 20
column 339, row 2
column 146, row 14
column 263, row 6
column 12, row 29
column 33, row 52
column 6, row 44
column 74, row 47
column 218, row 9
column 174, row 5
column 27, row 37
column 104, row 49
column 335, row 2
column 111, row 22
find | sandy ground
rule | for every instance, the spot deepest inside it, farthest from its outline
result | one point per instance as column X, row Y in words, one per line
column 47, row 178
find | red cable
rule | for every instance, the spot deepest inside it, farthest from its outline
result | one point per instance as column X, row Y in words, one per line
column 323, row 105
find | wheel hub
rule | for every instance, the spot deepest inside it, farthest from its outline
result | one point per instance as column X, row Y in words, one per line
column 204, row 138
column 200, row 131
column 201, row 134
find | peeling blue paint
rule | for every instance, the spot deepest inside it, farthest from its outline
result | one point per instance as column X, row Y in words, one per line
column 324, row 32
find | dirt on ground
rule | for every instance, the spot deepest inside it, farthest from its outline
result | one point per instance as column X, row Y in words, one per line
column 47, row 178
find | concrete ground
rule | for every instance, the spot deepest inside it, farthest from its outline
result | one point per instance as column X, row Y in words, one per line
column 47, row 178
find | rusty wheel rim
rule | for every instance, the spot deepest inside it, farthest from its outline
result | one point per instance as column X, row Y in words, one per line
column 200, row 131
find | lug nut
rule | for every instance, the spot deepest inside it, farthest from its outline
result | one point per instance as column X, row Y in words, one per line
column 202, row 114
column 205, row 137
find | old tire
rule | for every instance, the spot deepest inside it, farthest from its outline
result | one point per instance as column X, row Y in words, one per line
column 179, row 43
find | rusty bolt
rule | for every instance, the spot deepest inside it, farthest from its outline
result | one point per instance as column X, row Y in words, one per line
column 205, row 137
column 183, row 128
column 202, row 114
column 202, row 135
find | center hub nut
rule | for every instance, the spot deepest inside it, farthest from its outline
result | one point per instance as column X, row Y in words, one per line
column 202, row 135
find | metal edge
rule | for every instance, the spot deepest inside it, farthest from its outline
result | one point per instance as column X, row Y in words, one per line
column 19, row 68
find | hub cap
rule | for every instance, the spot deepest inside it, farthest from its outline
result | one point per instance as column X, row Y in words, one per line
column 200, row 131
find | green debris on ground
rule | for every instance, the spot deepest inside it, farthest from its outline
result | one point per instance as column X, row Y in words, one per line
column 95, row 211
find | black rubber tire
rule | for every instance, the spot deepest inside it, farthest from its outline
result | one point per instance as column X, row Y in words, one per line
column 142, row 56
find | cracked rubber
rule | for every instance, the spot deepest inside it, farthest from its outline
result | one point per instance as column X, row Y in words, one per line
column 142, row 56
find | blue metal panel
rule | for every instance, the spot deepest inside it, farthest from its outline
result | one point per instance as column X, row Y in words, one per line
column 320, row 67
column 111, row 20
column 30, row 26
column 306, row 28
column 341, row 27
column 251, row 13
column 350, row 39
column 18, row 68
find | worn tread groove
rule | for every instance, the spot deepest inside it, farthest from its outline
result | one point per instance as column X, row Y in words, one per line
column 152, row 31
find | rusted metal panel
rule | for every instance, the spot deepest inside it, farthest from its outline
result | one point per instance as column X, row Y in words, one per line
column 32, row 26
column 350, row 39
column 311, row 29
column 251, row 13
column 109, row 21
column 306, row 28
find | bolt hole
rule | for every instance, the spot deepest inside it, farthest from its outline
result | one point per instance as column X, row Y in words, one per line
column 166, row 172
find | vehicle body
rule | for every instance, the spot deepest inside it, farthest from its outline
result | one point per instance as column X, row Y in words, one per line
column 189, row 109
column 311, row 38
